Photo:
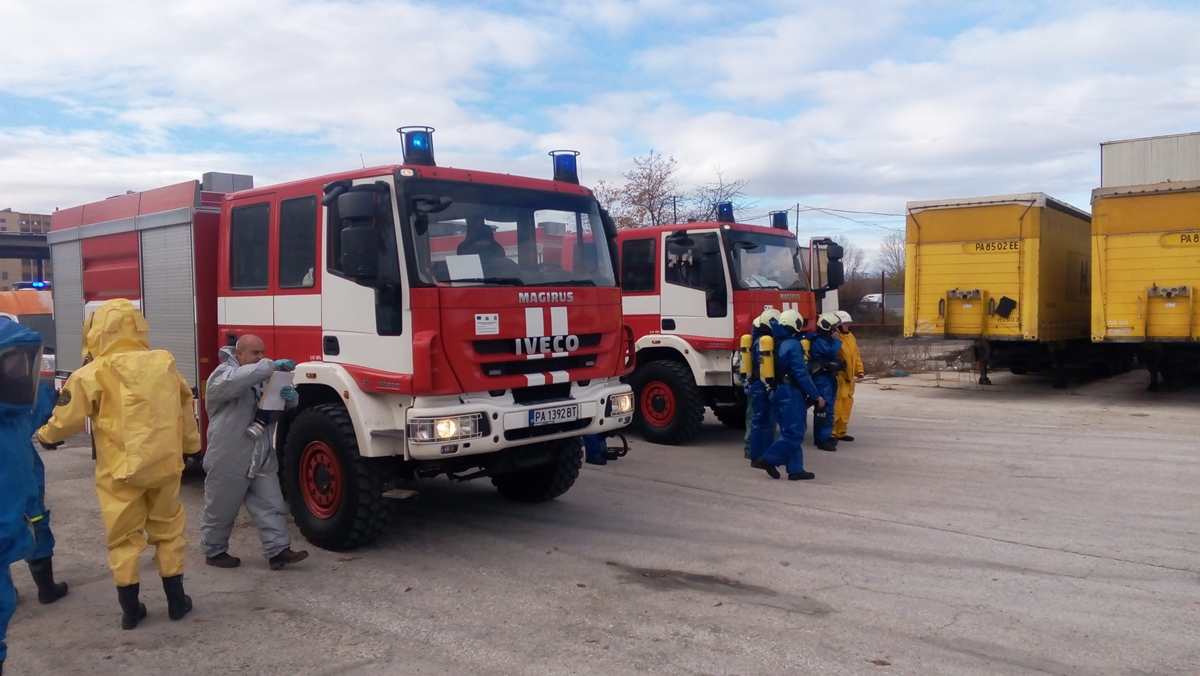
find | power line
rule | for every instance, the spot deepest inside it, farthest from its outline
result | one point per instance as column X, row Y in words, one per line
column 837, row 213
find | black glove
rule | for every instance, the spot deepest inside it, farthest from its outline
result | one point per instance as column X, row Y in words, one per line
column 44, row 445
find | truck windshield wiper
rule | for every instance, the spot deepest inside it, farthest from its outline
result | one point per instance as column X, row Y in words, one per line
column 514, row 281
column 566, row 282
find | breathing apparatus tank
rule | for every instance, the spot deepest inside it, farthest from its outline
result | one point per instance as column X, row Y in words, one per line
column 747, row 365
column 766, row 355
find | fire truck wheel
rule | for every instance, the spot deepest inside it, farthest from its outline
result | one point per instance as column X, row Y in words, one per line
column 669, row 406
column 544, row 482
column 733, row 415
column 335, row 496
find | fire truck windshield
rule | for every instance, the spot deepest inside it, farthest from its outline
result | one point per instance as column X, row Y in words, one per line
column 477, row 234
column 766, row 261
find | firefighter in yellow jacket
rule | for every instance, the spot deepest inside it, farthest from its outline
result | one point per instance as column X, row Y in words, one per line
column 846, row 377
column 142, row 424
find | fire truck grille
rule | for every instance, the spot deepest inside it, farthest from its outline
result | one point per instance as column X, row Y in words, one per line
column 543, row 430
column 526, row 366
column 509, row 345
column 541, row 393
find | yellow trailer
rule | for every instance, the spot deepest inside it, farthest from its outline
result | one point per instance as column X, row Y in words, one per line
column 1146, row 263
column 1011, row 272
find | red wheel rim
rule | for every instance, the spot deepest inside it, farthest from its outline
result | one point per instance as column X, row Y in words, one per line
column 658, row 404
column 320, row 479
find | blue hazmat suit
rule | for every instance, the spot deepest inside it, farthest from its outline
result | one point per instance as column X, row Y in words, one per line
column 793, row 390
column 758, row 398
column 20, row 368
column 43, row 537
column 823, row 355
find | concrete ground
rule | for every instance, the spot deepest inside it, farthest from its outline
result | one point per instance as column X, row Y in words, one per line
column 1012, row 530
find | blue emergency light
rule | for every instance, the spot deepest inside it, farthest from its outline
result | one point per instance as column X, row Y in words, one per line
column 566, row 165
column 418, row 145
column 725, row 212
column 38, row 285
column 779, row 220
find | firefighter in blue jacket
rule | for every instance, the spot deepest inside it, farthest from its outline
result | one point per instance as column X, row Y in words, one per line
column 822, row 347
column 761, row 431
column 794, row 390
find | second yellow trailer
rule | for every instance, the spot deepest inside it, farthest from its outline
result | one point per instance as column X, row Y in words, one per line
column 1146, row 265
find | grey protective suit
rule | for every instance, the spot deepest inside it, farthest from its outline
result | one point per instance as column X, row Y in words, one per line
column 240, row 469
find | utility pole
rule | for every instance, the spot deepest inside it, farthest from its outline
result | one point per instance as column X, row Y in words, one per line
column 797, row 220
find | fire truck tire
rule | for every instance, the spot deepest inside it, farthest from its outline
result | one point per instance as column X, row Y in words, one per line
column 544, row 482
column 731, row 416
column 669, row 407
column 335, row 496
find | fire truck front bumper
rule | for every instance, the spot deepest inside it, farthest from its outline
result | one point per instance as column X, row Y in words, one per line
column 480, row 423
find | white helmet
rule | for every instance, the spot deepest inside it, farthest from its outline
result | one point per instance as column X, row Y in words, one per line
column 844, row 316
column 766, row 317
column 792, row 320
column 827, row 321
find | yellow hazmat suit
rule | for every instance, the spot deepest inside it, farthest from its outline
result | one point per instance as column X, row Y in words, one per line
column 845, row 383
column 142, row 424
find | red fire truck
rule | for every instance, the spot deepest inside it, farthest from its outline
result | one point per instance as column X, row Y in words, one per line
column 690, row 291
column 444, row 321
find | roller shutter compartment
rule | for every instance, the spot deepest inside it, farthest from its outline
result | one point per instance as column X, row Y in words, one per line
column 169, row 294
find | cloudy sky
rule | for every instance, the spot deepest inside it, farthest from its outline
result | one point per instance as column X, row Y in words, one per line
column 858, row 106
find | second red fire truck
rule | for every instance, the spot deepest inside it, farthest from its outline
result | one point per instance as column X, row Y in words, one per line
column 444, row 321
column 690, row 291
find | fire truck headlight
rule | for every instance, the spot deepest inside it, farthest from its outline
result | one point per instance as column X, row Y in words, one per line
column 448, row 428
column 620, row 404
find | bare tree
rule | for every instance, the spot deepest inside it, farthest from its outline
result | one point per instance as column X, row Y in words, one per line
column 651, row 195
column 612, row 198
column 703, row 200
column 646, row 198
column 854, row 259
column 891, row 258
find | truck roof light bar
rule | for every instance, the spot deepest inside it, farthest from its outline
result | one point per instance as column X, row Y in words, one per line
column 566, row 165
column 725, row 212
column 418, row 145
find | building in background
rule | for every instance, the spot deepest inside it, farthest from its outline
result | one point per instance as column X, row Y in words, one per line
column 22, row 269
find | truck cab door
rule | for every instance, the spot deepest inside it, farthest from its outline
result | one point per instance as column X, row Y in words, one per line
column 696, row 300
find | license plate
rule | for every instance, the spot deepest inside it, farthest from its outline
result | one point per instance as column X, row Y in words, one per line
column 550, row 416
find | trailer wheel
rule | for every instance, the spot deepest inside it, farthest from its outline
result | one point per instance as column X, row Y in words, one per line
column 670, row 407
column 335, row 496
column 544, row 482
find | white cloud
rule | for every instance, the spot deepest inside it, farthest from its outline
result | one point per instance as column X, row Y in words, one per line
column 858, row 106
column 328, row 69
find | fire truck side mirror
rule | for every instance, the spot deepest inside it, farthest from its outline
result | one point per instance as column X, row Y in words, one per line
column 835, row 274
column 356, row 206
column 360, row 242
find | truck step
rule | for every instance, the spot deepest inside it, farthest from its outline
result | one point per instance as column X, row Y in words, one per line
column 399, row 494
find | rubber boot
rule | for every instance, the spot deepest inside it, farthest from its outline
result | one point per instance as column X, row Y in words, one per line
column 178, row 603
column 43, row 576
column 132, row 610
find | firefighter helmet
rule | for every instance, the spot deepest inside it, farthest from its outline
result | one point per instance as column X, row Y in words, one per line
column 766, row 317
column 844, row 316
column 827, row 321
column 792, row 320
